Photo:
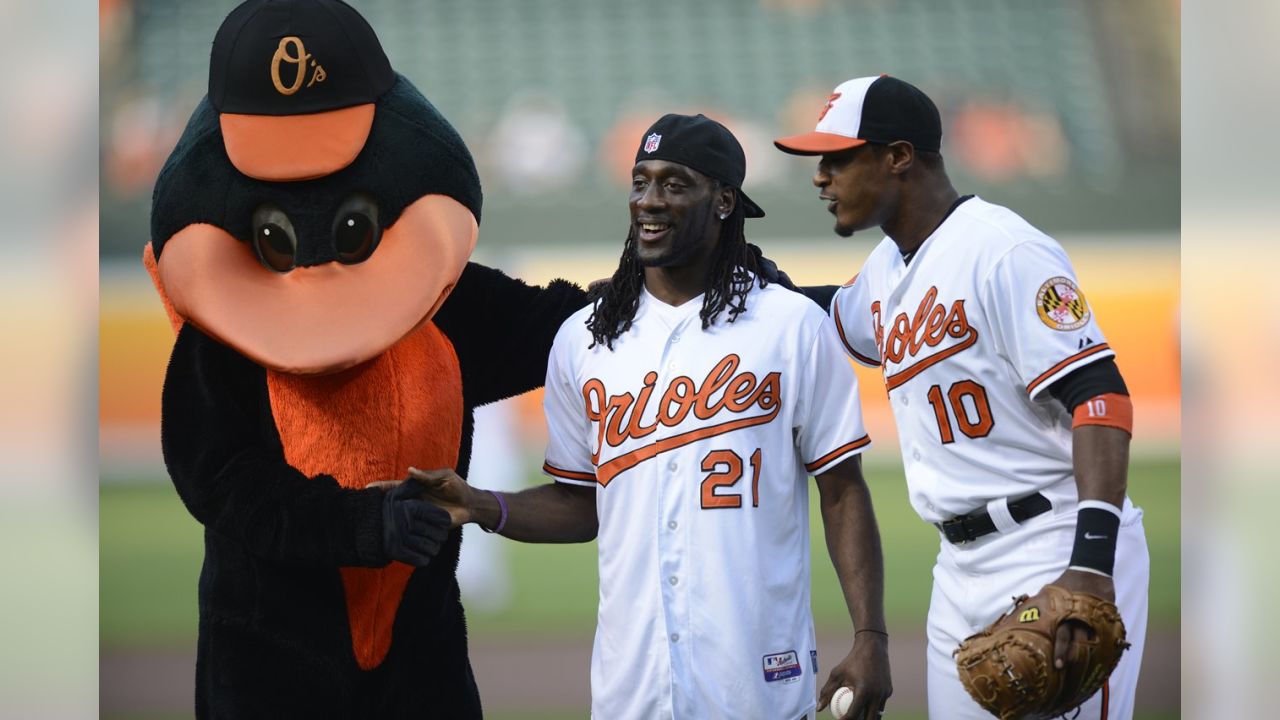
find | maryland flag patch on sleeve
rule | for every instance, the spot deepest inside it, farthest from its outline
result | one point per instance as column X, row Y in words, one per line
column 1061, row 305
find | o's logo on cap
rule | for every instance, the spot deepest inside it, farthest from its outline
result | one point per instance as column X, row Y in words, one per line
column 1061, row 305
column 826, row 109
column 298, row 58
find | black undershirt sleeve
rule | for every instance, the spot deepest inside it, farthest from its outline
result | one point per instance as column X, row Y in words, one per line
column 1092, row 380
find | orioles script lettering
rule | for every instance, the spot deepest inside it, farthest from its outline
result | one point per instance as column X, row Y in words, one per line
column 931, row 324
column 620, row 418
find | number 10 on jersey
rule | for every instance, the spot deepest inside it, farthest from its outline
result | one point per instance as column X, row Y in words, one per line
column 972, row 417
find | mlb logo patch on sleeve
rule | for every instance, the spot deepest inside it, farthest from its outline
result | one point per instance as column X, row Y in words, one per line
column 784, row 667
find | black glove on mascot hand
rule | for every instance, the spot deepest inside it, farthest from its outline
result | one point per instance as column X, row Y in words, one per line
column 412, row 530
column 310, row 238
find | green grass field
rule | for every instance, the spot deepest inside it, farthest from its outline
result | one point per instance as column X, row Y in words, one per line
column 151, row 551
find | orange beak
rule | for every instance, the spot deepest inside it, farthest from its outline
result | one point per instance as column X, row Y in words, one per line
column 322, row 319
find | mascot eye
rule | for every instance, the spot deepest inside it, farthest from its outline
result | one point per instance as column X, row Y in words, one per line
column 355, row 230
column 273, row 238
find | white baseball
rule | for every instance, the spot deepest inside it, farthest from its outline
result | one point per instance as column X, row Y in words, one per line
column 840, row 702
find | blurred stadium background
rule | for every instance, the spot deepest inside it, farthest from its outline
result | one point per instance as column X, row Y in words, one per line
column 1065, row 110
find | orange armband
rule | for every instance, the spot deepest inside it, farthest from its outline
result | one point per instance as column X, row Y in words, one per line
column 1110, row 409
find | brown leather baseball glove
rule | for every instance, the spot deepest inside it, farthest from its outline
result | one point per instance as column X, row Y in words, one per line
column 1008, row 667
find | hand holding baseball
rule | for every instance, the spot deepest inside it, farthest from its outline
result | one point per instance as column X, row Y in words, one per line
column 860, row 682
column 841, row 701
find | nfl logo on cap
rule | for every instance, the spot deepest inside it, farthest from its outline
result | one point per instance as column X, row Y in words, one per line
column 651, row 142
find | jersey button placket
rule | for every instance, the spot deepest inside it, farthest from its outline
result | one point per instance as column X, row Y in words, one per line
column 673, row 500
column 670, row 355
column 674, row 544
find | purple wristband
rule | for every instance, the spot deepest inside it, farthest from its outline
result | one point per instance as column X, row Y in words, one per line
column 502, row 519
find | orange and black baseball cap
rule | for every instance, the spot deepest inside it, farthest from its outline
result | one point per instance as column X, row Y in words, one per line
column 295, row 84
column 877, row 109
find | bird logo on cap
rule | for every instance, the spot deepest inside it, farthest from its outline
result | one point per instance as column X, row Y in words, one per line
column 827, row 108
column 651, row 142
column 298, row 58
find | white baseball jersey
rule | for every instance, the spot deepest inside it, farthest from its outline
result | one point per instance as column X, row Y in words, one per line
column 970, row 333
column 985, row 317
column 700, row 444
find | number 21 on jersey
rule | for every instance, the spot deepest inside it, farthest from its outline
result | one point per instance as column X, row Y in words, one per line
column 731, row 462
column 968, row 402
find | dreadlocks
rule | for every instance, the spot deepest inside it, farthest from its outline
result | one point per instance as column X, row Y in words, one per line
column 728, row 282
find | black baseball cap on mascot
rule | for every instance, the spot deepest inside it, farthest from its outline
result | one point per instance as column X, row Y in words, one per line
column 247, row 143
column 698, row 142
column 295, row 83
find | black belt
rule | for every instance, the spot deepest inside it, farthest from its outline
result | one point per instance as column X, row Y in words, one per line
column 967, row 528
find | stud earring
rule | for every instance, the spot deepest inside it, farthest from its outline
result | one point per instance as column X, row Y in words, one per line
column 724, row 215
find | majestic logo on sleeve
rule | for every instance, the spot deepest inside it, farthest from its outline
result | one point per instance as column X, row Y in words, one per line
column 291, row 52
column 933, row 334
column 1061, row 305
column 742, row 399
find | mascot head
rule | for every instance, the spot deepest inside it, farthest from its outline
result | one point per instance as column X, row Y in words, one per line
column 317, row 208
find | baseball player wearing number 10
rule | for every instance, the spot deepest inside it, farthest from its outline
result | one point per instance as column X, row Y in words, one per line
column 686, row 409
column 1013, row 418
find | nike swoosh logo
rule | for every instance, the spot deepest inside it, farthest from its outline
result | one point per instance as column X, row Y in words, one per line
column 1091, row 536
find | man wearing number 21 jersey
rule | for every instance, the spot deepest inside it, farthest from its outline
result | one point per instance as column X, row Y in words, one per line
column 687, row 408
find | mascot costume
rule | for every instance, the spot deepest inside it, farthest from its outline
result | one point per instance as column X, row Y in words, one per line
column 310, row 237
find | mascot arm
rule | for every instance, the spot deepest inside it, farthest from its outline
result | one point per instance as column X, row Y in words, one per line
column 224, row 455
column 503, row 328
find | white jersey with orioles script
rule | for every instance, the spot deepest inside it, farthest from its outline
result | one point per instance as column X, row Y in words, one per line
column 700, row 444
column 970, row 333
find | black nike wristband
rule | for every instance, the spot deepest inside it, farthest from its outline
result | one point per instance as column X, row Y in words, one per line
column 1095, row 547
